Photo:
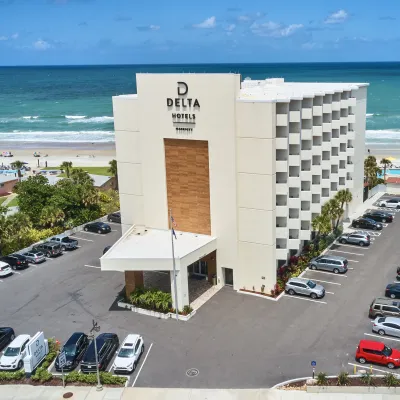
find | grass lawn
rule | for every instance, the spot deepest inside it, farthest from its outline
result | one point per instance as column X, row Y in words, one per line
column 13, row 202
column 90, row 170
column 2, row 200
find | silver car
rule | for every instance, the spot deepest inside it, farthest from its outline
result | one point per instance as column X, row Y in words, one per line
column 360, row 238
column 304, row 286
column 387, row 326
column 34, row 256
column 329, row 263
column 390, row 203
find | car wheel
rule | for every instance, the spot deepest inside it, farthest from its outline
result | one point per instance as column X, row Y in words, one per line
column 390, row 365
column 361, row 244
column 374, row 228
column 48, row 255
column 362, row 360
column 109, row 220
column 335, row 271
column 291, row 292
column 20, row 364
column 398, row 207
column 99, row 231
column 381, row 332
column 392, row 296
column 313, row 295
column 86, row 229
column 142, row 350
column 343, row 241
column 356, row 225
column 62, row 248
column 14, row 267
column 384, row 220
column 314, row 267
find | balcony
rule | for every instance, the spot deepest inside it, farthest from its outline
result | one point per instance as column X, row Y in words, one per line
column 281, row 254
column 326, row 183
column 335, row 105
column 326, row 164
column 305, row 195
column 317, row 130
column 281, row 166
column 335, row 142
column 349, row 168
column 327, row 108
column 293, row 202
column 344, row 103
column 306, row 154
column 316, row 208
column 326, row 146
column 294, row 160
column 306, row 175
column 351, row 118
column 350, row 151
column 306, row 113
column 335, row 124
column 281, row 232
column 281, row 143
column 317, row 111
column 306, row 134
column 344, row 121
column 305, row 215
column 281, row 211
column 349, row 184
column 335, row 159
column 282, row 120
column 305, row 234
column 343, row 172
column 293, row 244
column 352, row 101
column 326, row 127
column 294, row 138
column 281, row 188
column 351, row 135
column 293, row 223
column 294, row 116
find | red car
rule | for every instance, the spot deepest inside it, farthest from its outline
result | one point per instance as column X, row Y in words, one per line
column 377, row 353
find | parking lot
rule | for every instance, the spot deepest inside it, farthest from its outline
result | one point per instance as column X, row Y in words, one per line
column 234, row 341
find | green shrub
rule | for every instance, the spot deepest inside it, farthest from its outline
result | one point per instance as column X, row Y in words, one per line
column 343, row 379
column 368, row 379
column 151, row 299
column 10, row 376
column 322, row 380
column 41, row 375
column 390, row 380
column 106, row 378
column 186, row 310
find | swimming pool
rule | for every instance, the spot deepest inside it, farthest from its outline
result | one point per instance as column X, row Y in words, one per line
column 392, row 172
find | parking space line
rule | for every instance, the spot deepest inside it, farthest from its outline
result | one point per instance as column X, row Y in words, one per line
column 16, row 272
column 92, row 266
column 368, row 366
column 332, row 283
column 352, row 260
column 301, row 298
column 111, row 365
column 1, row 280
column 347, row 252
column 382, row 337
column 77, row 237
column 330, row 292
column 140, row 369
column 49, row 259
column 351, row 245
column 328, row 273
column 349, row 268
column 90, row 233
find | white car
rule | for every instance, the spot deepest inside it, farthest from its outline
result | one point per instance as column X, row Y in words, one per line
column 129, row 353
column 13, row 356
column 387, row 326
column 391, row 203
column 5, row 269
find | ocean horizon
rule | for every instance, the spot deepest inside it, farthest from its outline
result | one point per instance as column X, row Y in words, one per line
column 73, row 103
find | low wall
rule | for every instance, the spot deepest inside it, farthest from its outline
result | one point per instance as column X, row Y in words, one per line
column 378, row 188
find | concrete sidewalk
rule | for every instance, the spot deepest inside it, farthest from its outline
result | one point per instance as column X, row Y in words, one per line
column 26, row 392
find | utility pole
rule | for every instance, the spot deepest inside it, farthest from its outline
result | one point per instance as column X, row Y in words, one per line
column 173, row 265
column 96, row 328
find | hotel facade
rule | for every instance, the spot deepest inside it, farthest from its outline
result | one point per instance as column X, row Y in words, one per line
column 244, row 166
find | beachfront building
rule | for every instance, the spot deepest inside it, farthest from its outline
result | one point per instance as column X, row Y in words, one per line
column 243, row 165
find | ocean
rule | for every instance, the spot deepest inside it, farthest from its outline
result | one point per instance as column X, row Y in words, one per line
column 73, row 103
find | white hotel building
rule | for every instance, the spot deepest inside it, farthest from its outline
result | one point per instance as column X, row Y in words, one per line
column 244, row 166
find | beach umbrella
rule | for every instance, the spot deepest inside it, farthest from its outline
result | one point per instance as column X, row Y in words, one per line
column 391, row 158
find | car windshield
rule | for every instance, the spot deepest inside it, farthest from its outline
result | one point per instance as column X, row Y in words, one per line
column 11, row 351
column 387, row 351
column 311, row 284
column 370, row 220
column 66, row 240
column 69, row 349
column 126, row 353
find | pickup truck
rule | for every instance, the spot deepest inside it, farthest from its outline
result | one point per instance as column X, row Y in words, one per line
column 66, row 242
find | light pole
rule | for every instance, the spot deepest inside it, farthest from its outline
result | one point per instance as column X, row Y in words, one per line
column 96, row 328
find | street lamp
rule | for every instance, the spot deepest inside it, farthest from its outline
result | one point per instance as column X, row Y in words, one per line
column 96, row 328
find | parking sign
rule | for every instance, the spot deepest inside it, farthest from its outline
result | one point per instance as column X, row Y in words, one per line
column 62, row 359
column 313, row 363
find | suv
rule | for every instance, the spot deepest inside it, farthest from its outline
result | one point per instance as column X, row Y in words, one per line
column 391, row 203
column 387, row 326
column 5, row 269
column 333, row 264
column 114, row 217
column 50, row 249
column 304, row 286
column 393, row 290
column 65, row 242
column 360, row 238
column 129, row 354
column 14, row 354
column 377, row 353
column 15, row 261
column 107, row 344
column 34, row 256
column 379, row 216
column 366, row 223
column 384, row 307
column 74, row 349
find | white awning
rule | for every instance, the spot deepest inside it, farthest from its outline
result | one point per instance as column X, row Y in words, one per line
column 146, row 249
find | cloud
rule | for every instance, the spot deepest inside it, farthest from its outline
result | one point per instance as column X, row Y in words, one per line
column 287, row 31
column 41, row 44
column 230, row 28
column 122, row 18
column 387, row 18
column 244, row 18
column 15, row 36
column 311, row 46
column 148, row 28
column 207, row 23
column 337, row 17
column 3, row 38
column 274, row 29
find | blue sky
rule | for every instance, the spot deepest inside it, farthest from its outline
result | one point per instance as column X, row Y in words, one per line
column 41, row 32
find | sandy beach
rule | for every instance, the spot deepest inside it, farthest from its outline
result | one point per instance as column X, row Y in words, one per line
column 80, row 154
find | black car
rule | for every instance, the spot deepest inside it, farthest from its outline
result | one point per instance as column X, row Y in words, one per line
column 15, row 261
column 106, row 249
column 393, row 290
column 107, row 344
column 74, row 349
column 49, row 249
column 114, row 217
column 98, row 227
column 379, row 216
column 366, row 223
column 7, row 335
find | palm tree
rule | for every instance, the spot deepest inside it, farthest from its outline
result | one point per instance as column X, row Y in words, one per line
column 51, row 216
column 371, row 170
column 322, row 225
column 79, row 176
column 333, row 211
column 66, row 166
column 17, row 165
column 343, row 197
column 386, row 163
column 113, row 170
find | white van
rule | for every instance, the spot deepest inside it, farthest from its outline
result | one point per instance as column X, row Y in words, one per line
column 13, row 356
column 5, row 269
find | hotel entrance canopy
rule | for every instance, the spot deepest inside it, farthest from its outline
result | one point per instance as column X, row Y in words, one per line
column 146, row 249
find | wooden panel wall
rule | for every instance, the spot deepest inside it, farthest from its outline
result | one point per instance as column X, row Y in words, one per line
column 188, row 184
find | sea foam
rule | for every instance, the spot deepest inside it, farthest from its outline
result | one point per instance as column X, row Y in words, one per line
column 75, row 116
column 91, row 120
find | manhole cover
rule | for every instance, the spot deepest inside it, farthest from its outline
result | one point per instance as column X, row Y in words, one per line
column 192, row 372
column 67, row 395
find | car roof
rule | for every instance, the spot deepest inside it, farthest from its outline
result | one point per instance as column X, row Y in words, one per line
column 74, row 338
column 387, row 301
column 19, row 340
column 3, row 264
column 302, row 280
column 330, row 257
column 130, row 339
column 392, row 319
column 371, row 344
